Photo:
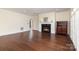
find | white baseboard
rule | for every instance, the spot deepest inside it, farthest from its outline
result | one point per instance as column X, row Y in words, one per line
column 3, row 34
column 8, row 33
column 52, row 32
column 73, row 42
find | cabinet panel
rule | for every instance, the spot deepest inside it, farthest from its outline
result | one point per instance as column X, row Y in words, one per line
column 61, row 27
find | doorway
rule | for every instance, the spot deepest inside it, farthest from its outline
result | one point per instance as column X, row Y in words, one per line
column 30, row 24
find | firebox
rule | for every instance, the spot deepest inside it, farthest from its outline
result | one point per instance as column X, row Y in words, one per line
column 46, row 28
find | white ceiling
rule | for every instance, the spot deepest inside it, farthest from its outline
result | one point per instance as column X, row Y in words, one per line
column 35, row 11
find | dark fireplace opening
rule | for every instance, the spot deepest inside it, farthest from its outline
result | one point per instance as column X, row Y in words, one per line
column 46, row 28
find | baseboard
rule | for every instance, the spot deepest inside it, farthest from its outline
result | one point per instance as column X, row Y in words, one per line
column 8, row 33
column 52, row 32
column 72, row 42
column 12, row 32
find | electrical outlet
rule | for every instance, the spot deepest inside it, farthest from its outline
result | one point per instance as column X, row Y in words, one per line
column 21, row 28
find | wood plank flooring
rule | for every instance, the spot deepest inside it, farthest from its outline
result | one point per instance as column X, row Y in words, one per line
column 35, row 41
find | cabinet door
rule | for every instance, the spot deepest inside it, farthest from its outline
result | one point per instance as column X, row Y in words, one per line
column 58, row 30
column 61, row 27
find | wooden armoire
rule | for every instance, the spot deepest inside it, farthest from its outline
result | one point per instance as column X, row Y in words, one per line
column 61, row 27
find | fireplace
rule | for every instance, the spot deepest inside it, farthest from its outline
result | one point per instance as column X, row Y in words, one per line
column 46, row 28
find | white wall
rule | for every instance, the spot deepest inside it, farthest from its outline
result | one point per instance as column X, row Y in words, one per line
column 35, row 22
column 11, row 22
column 75, row 28
column 51, row 20
column 63, row 16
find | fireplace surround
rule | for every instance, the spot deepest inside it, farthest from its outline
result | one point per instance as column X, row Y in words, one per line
column 46, row 28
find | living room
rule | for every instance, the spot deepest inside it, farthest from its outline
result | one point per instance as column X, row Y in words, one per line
column 53, row 23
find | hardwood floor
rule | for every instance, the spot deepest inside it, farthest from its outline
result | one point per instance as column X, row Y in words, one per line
column 35, row 41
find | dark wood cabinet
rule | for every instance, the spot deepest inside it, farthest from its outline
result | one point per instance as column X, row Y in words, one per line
column 61, row 27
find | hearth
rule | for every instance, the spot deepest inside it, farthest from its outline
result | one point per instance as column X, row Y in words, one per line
column 46, row 28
